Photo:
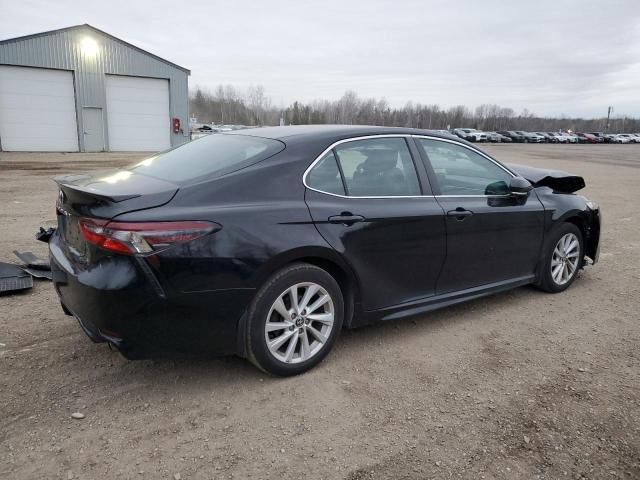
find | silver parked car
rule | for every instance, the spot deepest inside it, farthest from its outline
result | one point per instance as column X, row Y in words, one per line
column 470, row 134
column 497, row 137
column 531, row 137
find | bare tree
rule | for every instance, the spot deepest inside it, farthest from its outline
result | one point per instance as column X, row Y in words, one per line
column 230, row 105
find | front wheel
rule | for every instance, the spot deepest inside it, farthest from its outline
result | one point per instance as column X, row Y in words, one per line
column 294, row 320
column 563, row 256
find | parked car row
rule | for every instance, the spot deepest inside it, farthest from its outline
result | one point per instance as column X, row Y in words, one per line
column 519, row 136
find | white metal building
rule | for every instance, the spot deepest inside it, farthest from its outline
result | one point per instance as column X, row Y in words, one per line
column 81, row 89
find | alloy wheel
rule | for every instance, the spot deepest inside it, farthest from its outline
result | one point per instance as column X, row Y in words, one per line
column 565, row 259
column 299, row 322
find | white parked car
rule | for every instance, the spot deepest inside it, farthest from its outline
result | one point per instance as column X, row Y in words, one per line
column 496, row 137
column 444, row 132
column 470, row 134
column 571, row 137
column 560, row 137
column 621, row 138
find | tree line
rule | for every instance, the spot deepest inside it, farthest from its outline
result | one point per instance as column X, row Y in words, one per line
column 227, row 105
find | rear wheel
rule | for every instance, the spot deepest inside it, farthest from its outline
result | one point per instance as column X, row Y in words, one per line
column 564, row 252
column 294, row 320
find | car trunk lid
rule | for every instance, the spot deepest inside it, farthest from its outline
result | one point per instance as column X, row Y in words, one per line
column 105, row 195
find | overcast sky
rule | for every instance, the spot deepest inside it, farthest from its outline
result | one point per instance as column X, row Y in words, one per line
column 552, row 57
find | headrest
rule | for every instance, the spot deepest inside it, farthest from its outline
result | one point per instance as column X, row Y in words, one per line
column 380, row 160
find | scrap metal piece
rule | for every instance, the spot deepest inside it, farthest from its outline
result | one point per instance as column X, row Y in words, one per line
column 45, row 235
column 12, row 278
column 33, row 261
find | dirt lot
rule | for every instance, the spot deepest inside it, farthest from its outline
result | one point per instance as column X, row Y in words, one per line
column 518, row 385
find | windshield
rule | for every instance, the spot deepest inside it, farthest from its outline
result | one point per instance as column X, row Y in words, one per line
column 213, row 155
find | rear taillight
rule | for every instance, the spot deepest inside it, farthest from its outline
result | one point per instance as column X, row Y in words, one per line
column 130, row 238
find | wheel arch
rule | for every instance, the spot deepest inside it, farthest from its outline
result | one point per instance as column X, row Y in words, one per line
column 579, row 222
column 346, row 280
column 588, row 222
column 589, row 225
column 322, row 257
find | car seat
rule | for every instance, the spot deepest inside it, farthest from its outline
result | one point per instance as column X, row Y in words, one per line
column 378, row 175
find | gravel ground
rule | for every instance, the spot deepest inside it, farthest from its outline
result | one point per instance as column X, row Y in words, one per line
column 518, row 385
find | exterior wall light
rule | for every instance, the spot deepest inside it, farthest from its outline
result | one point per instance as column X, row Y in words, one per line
column 88, row 47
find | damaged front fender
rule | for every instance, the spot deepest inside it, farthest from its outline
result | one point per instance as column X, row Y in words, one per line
column 556, row 180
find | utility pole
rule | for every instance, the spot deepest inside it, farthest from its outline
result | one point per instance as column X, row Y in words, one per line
column 609, row 111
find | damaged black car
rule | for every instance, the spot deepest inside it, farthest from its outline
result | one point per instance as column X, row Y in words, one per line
column 265, row 243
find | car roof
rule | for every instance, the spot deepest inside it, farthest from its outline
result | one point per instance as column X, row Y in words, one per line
column 323, row 132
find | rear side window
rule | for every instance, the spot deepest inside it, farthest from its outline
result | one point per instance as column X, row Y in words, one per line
column 325, row 175
column 211, row 156
column 378, row 167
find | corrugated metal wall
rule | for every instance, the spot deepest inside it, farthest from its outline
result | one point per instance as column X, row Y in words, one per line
column 61, row 50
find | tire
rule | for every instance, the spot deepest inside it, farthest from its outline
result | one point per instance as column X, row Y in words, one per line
column 559, row 276
column 283, row 357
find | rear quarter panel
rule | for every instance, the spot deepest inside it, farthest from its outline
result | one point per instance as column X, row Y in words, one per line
column 263, row 216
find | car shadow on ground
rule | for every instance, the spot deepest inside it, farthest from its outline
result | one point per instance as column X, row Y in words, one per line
column 221, row 372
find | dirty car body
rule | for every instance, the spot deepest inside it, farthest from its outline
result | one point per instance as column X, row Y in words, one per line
column 167, row 255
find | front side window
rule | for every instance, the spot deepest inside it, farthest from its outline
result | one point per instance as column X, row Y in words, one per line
column 378, row 167
column 461, row 171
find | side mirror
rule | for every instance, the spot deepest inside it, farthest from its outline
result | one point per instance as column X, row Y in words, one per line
column 520, row 186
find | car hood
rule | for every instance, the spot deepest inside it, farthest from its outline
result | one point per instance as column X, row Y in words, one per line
column 555, row 179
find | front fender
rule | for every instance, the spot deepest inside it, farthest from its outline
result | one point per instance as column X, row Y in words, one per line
column 564, row 207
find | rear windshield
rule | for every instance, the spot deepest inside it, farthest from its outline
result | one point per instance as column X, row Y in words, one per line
column 211, row 156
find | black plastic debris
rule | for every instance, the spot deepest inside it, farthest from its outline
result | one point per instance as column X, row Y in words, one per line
column 33, row 261
column 13, row 278
column 45, row 235
column 43, row 274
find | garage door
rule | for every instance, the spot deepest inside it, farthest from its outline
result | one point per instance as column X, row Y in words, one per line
column 37, row 110
column 138, row 113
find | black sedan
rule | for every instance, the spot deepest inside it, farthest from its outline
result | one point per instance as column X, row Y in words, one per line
column 265, row 243
column 514, row 136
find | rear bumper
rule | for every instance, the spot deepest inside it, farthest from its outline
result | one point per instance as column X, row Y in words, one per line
column 114, row 301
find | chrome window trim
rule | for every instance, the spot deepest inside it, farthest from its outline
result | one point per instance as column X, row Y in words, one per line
column 405, row 136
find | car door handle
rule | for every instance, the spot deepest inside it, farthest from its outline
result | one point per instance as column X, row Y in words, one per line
column 346, row 218
column 460, row 213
